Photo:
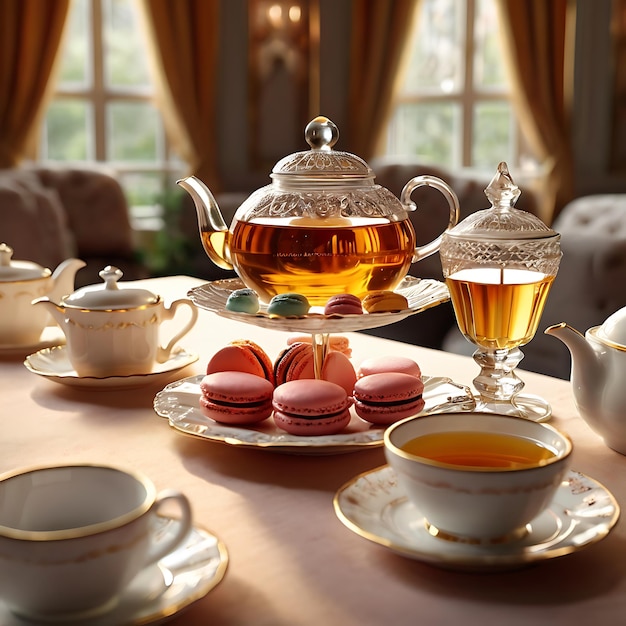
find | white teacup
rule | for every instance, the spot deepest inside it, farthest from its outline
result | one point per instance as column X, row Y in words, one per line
column 480, row 476
column 72, row 537
column 115, row 331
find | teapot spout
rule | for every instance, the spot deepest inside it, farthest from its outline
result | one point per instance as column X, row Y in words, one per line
column 64, row 277
column 587, row 371
column 213, row 230
column 56, row 311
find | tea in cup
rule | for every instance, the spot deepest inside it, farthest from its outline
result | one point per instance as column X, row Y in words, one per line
column 114, row 331
column 479, row 476
column 73, row 537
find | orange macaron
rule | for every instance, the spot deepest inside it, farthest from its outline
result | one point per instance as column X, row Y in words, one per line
column 242, row 355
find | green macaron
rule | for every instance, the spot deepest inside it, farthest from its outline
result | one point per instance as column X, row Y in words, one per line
column 288, row 305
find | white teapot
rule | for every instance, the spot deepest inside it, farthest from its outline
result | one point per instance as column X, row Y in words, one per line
column 114, row 331
column 599, row 376
column 21, row 282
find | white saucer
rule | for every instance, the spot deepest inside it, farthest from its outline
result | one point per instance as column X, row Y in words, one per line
column 53, row 364
column 179, row 403
column 373, row 506
column 421, row 294
column 160, row 591
column 51, row 336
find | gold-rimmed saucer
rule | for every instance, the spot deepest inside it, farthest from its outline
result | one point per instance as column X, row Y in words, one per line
column 54, row 364
column 373, row 506
column 160, row 591
column 179, row 402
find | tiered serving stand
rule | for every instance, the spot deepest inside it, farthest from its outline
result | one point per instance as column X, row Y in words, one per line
column 178, row 402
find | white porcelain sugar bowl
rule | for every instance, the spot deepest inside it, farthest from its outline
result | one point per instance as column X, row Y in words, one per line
column 114, row 330
column 21, row 282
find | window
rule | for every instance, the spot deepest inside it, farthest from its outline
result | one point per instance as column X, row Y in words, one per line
column 102, row 108
column 454, row 109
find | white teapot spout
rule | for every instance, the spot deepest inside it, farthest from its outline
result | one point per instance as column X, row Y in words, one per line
column 64, row 277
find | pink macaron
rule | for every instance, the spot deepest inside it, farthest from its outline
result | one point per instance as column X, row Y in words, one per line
column 338, row 369
column 311, row 407
column 343, row 304
column 236, row 397
column 382, row 364
column 388, row 397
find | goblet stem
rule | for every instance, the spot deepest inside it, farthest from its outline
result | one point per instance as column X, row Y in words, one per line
column 497, row 380
column 499, row 386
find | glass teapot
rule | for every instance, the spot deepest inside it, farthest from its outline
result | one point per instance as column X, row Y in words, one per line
column 322, row 227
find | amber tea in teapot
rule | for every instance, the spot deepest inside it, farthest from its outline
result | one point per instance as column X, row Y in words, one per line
column 336, row 255
column 322, row 227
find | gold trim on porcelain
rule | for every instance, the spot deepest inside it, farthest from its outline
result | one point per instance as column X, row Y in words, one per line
column 90, row 529
column 593, row 331
column 154, row 319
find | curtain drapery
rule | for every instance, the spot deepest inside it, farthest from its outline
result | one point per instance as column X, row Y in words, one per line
column 30, row 34
column 538, row 39
column 380, row 31
column 183, row 37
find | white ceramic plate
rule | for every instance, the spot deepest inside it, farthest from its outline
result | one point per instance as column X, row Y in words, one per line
column 53, row 364
column 421, row 294
column 51, row 336
column 179, row 403
column 159, row 592
column 373, row 506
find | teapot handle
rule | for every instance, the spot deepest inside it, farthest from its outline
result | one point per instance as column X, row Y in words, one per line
column 421, row 252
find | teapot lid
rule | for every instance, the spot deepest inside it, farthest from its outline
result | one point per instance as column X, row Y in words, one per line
column 614, row 328
column 502, row 220
column 18, row 270
column 109, row 295
column 321, row 164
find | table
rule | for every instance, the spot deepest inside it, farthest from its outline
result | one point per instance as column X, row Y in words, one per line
column 291, row 561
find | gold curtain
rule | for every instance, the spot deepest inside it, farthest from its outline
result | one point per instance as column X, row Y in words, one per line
column 30, row 34
column 183, row 38
column 378, row 48
column 538, row 37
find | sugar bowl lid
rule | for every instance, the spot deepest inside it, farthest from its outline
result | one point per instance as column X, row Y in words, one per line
column 321, row 164
column 11, row 271
column 109, row 295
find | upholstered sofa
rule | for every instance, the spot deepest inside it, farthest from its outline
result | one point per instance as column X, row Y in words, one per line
column 49, row 214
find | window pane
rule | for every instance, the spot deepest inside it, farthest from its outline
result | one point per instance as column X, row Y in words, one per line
column 67, row 136
column 133, row 132
column 430, row 132
column 124, row 52
column 74, row 70
column 437, row 62
column 489, row 69
column 493, row 137
column 142, row 188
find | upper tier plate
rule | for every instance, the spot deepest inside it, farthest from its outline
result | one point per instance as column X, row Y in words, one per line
column 421, row 293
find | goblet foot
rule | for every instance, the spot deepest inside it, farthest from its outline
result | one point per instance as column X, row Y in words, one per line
column 499, row 388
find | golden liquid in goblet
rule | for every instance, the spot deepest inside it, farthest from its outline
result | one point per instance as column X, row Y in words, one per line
column 321, row 257
column 498, row 309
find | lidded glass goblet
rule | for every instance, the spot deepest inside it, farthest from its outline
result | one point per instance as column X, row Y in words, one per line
column 499, row 265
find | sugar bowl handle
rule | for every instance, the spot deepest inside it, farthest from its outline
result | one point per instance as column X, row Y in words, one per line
column 163, row 354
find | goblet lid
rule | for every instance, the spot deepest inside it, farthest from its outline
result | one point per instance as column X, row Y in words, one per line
column 501, row 235
column 502, row 220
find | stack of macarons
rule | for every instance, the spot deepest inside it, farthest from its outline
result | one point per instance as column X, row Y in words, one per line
column 389, row 388
column 292, row 304
column 243, row 386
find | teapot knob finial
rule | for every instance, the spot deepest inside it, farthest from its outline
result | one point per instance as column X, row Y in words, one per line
column 321, row 133
column 6, row 252
column 110, row 275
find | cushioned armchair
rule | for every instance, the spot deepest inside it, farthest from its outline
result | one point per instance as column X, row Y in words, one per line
column 49, row 214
